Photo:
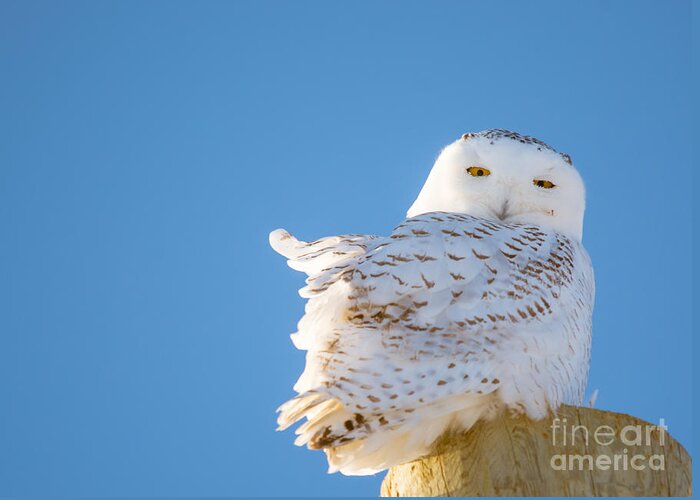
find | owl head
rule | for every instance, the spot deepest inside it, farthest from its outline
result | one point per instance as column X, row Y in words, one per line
column 501, row 175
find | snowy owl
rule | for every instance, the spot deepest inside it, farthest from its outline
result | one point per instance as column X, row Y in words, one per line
column 479, row 302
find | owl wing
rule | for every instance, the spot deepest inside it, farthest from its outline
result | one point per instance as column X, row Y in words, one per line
column 433, row 319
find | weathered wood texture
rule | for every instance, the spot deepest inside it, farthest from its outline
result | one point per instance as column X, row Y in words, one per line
column 514, row 456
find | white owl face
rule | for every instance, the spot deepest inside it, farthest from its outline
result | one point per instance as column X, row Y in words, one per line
column 506, row 177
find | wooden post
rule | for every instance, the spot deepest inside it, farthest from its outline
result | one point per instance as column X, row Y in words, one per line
column 514, row 456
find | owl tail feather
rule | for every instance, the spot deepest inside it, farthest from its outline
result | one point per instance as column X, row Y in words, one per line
column 309, row 404
column 410, row 441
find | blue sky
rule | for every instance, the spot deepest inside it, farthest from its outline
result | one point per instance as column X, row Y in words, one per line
column 147, row 149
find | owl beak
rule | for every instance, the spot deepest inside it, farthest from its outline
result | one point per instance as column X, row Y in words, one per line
column 503, row 213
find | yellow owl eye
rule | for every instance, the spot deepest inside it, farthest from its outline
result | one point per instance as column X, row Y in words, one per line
column 543, row 184
column 478, row 171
